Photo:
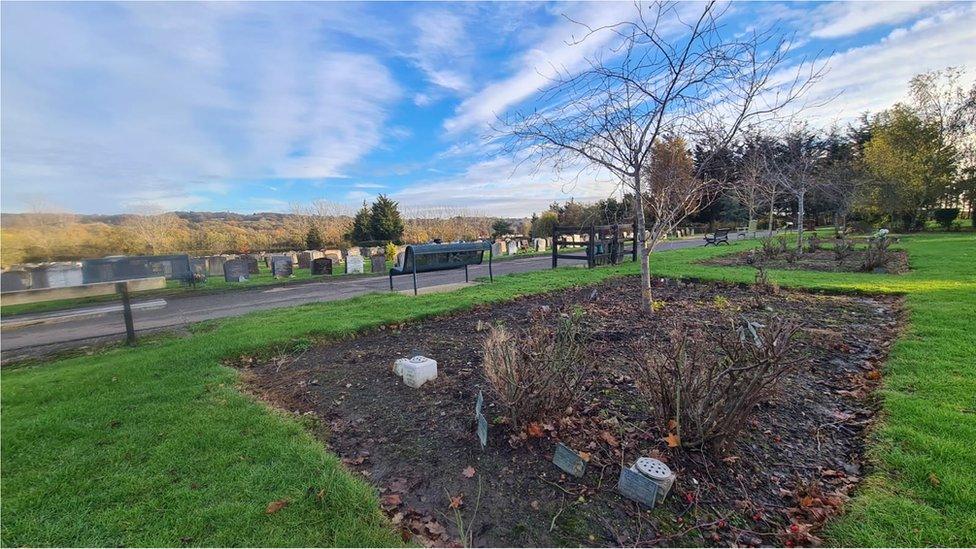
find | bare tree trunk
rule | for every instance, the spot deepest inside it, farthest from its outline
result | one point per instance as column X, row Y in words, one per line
column 799, row 222
column 643, row 254
column 770, row 226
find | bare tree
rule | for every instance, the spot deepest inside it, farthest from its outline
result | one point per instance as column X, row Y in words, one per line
column 796, row 164
column 751, row 186
column 665, row 77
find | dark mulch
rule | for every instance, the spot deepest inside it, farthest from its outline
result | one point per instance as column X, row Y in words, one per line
column 820, row 260
column 794, row 464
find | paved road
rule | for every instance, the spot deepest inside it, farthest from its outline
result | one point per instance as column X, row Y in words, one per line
column 71, row 333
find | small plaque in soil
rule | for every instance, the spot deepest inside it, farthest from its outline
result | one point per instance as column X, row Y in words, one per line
column 478, row 403
column 637, row 487
column 569, row 461
column 482, row 430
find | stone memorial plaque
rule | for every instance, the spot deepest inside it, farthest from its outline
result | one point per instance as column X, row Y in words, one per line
column 635, row 486
column 322, row 266
column 281, row 266
column 569, row 461
column 235, row 270
column 478, row 403
column 304, row 260
column 198, row 265
column 15, row 281
column 252, row 264
column 482, row 430
column 377, row 263
column 354, row 264
column 215, row 265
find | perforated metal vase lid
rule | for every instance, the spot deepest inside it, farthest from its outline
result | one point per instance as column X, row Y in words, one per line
column 653, row 468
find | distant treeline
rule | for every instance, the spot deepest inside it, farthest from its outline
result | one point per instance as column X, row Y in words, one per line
column 40, row 237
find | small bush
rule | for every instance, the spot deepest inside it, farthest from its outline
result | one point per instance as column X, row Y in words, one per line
column 539, row 370
column 877, row 255
column 708, row 386
column 770, row 247
column 814, row 243
column 945, row 216
column 783, row 243
column 763, row 284
column 791, row 255
column 843, row 248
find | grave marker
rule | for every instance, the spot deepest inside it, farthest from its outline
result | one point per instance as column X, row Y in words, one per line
column 569, row 461
column 637, row 487
column 478, row 403
column 377, row 263
column 354, row 264
column 482, row 430
column 281, row 266
column 235, row 270
column 321, row 266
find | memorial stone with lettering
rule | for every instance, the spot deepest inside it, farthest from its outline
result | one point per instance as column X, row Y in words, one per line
column 354, row 264
column 321, row 266
column 281, row 266
column 235, row 270
column 377, row 263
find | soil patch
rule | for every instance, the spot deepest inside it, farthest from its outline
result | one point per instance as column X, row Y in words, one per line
column 820, row 260
column 791, row 468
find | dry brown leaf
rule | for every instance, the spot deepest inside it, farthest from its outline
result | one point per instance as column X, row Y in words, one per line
column 534, row 430
column 873, row 375
column 468, row 472
column 391, row 500
column 934, row 480
column 608, row 437
column 673, row 440
column 585, row 456
column 456, row 502
column 276, row 506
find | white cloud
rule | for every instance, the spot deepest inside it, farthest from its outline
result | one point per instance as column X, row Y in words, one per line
column 875, row 76
column 539, row 64
column 840, row 19
column 109, row 105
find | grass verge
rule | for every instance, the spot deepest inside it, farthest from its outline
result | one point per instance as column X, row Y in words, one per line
column 156, row 446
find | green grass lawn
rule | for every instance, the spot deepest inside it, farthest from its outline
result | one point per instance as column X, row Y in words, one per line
column 155, row 445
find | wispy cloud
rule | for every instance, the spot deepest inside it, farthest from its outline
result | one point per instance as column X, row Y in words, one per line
column 838, row 19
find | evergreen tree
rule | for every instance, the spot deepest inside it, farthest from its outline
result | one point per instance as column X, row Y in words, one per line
column 385, row 220
column 313, row 239
column 501, row 227
column 361, row 225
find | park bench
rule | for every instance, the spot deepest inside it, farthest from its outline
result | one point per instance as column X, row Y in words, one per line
column 426, row 258
column 718, row 237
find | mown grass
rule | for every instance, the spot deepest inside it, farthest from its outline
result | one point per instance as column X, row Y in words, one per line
column 156, row 445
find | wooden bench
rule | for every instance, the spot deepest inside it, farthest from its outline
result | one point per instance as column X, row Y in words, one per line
column 425, row 258
column 718, row 237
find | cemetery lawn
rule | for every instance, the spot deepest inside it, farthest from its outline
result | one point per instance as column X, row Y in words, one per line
column 156, row 445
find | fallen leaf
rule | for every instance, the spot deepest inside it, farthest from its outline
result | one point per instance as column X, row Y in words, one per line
column 806, row 501
column 873, row 375
column 435, row 528
column 391, row 500
column 673, row 440
column 276, row 506
column 468, row 472
column 934, row 480
column 456, row 502
column 534, row 430
column 585, row 456
column 608, row 437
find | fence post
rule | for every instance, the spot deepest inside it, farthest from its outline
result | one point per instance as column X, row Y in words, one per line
column 130, row 331
column 555, row 245
column 616, row 255
column 591, row 248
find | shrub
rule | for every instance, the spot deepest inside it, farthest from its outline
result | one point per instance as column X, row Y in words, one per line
column 877, row 254
column 814, row 243
column 791, row 254
column 707, row 385
column 391, row 251
column 770, row 246
column 843, row 248
column 541, row 369
column 945, row 216
column 783, row 243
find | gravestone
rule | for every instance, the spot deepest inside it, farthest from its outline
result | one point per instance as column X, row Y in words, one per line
column 64, row 275
column 235, row 270
column 252, row 264
column 14, row 281
column 304, row 260
column 569, row 461
column 637, row 487
column 215, row 265
column 354, row 264
column 198, row 265
column 334, row 255
column 377, row 263
column 539, row 244
column 512, row 247
column 321, row 266
column 281, row 266
column 479, row 402
column 497, row 249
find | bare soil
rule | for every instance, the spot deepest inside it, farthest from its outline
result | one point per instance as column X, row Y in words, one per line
column 792, row 467
column 819, row 260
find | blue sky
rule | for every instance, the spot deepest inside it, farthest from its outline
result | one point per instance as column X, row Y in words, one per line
column 111, row 108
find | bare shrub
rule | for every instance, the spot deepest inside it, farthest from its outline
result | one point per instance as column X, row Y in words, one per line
column 540, row 369
column 843, row 248
column 707, row 386
column 877, row 255
column 770, row 246
column 783, row 244
column 814, row 243
column 791, row 255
